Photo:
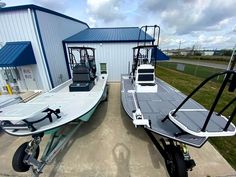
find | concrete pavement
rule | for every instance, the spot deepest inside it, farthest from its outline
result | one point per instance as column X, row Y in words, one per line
column 109, row 146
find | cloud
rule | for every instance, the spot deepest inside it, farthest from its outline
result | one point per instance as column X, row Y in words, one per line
column 57, row 5
column 212, row 40
column 92, row 22
column 192, row 15
column 16, row 2
column 211, row 23
column 105, row 10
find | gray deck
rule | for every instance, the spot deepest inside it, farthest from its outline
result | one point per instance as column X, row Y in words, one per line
column 195, row 121
column 155, row 106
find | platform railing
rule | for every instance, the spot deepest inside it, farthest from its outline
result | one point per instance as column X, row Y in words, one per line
column 137, row 56
column 230, row 77
column 145, row 34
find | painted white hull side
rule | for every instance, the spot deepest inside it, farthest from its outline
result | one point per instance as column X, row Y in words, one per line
column 72, row 105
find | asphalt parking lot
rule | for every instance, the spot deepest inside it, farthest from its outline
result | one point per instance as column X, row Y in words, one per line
column 110, row 146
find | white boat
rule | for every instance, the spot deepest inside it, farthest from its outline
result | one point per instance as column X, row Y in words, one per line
column 59, row 104
column 163, row 110
column 71, row 102
column 6, row 100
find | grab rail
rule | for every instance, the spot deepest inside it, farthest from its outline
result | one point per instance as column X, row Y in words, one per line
column 30, row 124
column 154, row 34
column 227, row 79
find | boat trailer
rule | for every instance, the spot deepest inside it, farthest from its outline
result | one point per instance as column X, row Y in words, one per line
column 26, row 156
column 176, row 155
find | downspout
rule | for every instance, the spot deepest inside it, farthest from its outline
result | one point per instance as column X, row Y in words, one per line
column 49, row 84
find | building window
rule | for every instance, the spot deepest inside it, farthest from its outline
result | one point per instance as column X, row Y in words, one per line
column 103, row 68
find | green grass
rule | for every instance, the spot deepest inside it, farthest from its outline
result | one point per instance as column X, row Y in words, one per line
column 199, row 71
column 225, row 62
column 214, row 59
column 186, row 83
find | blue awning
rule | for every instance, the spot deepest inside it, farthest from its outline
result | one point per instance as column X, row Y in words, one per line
column 17, row 54
column 157, row 54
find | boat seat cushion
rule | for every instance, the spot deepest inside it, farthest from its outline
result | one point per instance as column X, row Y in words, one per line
column 80, row 69
column 81, row 77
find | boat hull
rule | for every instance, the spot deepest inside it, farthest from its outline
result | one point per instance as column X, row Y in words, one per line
column 73, row 106
column 155, row 106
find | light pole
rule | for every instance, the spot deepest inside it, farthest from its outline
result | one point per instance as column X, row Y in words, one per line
column 231, row 58
column 179, row 46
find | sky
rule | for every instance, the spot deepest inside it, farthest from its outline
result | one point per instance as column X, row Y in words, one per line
column 205, row 24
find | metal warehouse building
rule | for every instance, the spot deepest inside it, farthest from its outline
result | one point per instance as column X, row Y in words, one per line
column 31, row 54
column 35, row 43
column 113, row 47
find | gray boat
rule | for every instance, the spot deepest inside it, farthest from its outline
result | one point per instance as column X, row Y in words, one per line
column 161, row 109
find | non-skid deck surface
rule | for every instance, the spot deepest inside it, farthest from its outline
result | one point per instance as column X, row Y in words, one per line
column 6, row 100
column 22, row 111
column 193, row 122
column 155, row 107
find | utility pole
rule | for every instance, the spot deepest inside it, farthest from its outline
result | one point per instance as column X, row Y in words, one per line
column 232, row 60
column 179, row 46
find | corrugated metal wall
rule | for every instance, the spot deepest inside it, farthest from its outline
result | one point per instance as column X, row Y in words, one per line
column 53, row 30
column 116, row 55
column 18, row 26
